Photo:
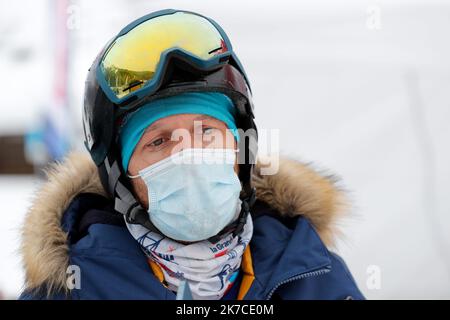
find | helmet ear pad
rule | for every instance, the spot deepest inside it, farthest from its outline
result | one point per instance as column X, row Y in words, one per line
column 248, row 142
column 110, row 172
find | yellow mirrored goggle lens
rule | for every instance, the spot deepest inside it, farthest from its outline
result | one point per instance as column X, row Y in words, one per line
column 133, row 58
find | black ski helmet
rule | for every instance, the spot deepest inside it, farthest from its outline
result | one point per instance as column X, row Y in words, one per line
column 179, row 73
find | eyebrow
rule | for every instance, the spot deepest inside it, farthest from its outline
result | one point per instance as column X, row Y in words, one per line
column 153, row 127
column 202, row 117
column 157, row 126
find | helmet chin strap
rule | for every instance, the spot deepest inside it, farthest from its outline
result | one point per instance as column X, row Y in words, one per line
column 124, row 201
column 237, row 225
column 126, row 204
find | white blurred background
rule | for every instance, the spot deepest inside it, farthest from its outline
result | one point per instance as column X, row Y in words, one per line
column 361, row 88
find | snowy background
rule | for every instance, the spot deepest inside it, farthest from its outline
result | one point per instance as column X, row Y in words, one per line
column 361, row 88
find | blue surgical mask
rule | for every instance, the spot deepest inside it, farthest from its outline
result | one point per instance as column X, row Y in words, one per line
column 193, row 194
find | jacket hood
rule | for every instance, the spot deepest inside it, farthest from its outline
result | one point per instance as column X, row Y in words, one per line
column 296, row 189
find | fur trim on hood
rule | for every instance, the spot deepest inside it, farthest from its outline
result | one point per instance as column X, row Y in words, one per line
column 296, row 189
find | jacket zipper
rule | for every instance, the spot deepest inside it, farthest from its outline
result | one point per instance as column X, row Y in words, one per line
column 298, row 277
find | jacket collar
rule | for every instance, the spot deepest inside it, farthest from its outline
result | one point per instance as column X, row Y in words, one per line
column 295, row 190
column 280, row 257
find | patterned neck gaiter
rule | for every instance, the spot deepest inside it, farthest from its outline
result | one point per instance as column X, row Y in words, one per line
column 209, row 269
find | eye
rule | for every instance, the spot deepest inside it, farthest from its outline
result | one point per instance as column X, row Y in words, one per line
column 157, row 142
column 208, row 130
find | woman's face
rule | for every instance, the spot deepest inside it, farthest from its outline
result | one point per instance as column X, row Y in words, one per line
column 171, row 134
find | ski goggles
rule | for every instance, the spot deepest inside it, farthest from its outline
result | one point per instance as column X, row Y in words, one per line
column 135, row 61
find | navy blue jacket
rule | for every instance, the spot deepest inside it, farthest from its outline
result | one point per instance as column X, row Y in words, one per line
column 290, row 260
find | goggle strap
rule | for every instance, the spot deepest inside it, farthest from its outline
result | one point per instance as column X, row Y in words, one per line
column 226, row 80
